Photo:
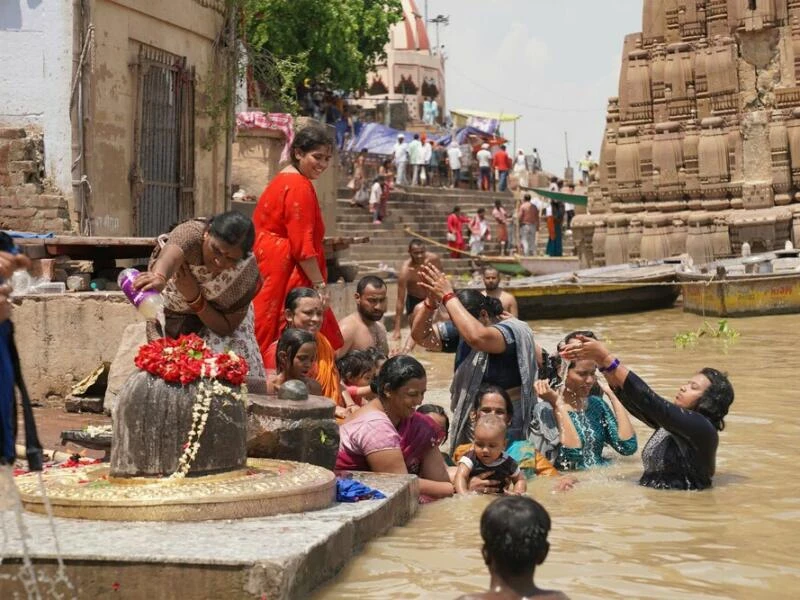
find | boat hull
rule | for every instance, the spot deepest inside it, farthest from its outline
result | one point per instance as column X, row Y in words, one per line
column 535, row 265
column 775, row 294
column 562, row 301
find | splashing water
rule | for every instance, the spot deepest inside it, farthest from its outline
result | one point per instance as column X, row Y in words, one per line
column 59, row 587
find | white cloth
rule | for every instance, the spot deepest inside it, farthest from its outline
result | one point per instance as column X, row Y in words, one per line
column 454, row 156
column 427, row 152
column 415, row 152
column 568, row 206
column 484, row 158
column 375, row 194
column 400, row 152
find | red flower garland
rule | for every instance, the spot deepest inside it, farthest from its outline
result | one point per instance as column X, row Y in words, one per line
column 181, row 361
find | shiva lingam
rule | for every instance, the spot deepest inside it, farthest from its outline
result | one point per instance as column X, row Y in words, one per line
column 179, row 449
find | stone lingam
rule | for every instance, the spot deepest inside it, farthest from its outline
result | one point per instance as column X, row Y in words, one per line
column 179, row 448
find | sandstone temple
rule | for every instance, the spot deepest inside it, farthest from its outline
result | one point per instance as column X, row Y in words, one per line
column 701, row 150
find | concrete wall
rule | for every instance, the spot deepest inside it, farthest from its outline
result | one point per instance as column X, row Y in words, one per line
column 63, row 338
column 35, row 76
column 181, row 27
column 256, row 157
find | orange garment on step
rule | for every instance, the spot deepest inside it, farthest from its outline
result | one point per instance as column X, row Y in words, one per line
column 289, row 229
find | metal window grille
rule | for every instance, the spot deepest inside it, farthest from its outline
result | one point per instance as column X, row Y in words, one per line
column 162, row 177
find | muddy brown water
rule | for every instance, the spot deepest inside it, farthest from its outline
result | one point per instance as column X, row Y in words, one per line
column 612, row 538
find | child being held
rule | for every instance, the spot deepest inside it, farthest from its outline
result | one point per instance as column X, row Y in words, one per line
column 294, row 355
column 438, row 415
column 488, row 454
column 357, row 368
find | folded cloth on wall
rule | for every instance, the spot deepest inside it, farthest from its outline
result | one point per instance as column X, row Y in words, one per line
column 350, row 490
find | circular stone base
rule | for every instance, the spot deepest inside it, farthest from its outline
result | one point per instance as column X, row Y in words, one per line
column 266, row 487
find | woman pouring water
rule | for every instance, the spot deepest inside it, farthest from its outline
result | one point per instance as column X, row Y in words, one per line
column 681, row 454
column 208, row 278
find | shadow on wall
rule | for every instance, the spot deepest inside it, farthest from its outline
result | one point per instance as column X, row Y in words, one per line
column 11, row 13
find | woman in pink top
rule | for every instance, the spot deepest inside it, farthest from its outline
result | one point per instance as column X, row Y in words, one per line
column 387, row 435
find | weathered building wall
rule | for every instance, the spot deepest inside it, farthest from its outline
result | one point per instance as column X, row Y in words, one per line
column 186, row 28
column 256, row 159
column 35, row 73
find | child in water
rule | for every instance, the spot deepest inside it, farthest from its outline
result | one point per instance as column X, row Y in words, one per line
column 488, row 454
column 294, row 355
column 357, row 368
column 438, row 415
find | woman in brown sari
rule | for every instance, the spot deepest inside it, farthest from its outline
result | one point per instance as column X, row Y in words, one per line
column 208, row 277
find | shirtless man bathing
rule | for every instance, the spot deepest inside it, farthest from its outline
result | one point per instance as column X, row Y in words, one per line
column 363, row 328
column 409, row 292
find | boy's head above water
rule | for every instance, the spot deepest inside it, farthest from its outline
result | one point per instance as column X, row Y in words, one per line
column 490, row 438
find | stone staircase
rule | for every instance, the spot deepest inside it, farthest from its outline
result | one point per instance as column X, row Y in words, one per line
column 425, row 211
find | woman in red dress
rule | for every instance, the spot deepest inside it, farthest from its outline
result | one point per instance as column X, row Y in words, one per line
column 455, row 234
column 289, row 233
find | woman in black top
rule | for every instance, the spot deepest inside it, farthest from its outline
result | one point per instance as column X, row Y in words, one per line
column 681, row 454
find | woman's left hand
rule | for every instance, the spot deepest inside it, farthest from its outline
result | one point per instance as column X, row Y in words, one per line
column 434, row 281
column 545, row 392
column 5, row 302
column 585, row 348
column 186, row 283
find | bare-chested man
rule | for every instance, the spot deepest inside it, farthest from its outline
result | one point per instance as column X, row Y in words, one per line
column 491, row 280
column 363, row 328
column 409, row 292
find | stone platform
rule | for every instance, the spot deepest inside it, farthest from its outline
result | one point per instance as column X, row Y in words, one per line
column 280, row 557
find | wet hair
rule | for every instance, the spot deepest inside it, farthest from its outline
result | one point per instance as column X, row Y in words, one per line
column 514, row 531
column 717, row 399
column 427, row 409
column 294, row 296
column 370, row 280
column 354, row 364
column 492, row 422
column 488, row 268
column 310, row 138
column 475, row 302
column 375, row 354
column 498, row 203
column 395, row 373
column 416, row 136
column 234, row 229
column 290, row 342
column 502, row 146
column 554, row 179
column 415, row 243
column 571, row 336
column 489, row 388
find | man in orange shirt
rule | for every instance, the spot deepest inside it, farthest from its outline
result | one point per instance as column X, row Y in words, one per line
column 502, row 163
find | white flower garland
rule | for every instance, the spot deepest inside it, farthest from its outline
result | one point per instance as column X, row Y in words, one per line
column 207, row 388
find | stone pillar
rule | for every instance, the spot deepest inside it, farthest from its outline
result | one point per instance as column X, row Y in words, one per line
column 616, row 243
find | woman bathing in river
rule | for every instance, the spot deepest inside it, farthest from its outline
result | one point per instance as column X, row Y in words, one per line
column 585, row 422
column 681, row 454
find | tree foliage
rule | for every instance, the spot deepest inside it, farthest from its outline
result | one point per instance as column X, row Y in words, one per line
column 338, row 41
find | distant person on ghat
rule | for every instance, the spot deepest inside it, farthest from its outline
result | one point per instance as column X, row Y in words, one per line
column 409, row 292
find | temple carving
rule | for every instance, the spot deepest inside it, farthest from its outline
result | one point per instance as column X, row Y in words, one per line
column 701, row 150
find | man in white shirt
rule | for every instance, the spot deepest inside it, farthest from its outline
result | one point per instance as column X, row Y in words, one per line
column 401, row 159
column 415, row 157
column 586, row 166
column 454, row 156
column 427, row 154
column 484, row 158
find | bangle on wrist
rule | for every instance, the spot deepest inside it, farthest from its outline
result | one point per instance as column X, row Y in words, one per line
column 196, row 300
column 610, row 368
column 447, row 297
column 429, row 306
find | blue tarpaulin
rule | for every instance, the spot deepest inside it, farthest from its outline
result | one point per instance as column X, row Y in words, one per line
column 350, row 490
column 379, row 139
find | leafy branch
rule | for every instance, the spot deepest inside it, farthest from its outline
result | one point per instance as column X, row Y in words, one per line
column 722, row 331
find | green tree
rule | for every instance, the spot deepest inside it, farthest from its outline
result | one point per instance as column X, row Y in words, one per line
column 338, row 41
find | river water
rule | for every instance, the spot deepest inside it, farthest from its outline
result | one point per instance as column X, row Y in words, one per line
column 612, row 538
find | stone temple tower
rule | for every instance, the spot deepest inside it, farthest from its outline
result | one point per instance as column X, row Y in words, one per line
column 701, row 150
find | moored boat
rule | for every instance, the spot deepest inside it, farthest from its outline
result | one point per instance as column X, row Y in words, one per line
column 763, row 284
column 533, row 265
column 607, row 290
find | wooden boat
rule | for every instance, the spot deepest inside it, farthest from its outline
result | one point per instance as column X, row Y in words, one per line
column 763, row 284
column 608, row 290
column 533, row 265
